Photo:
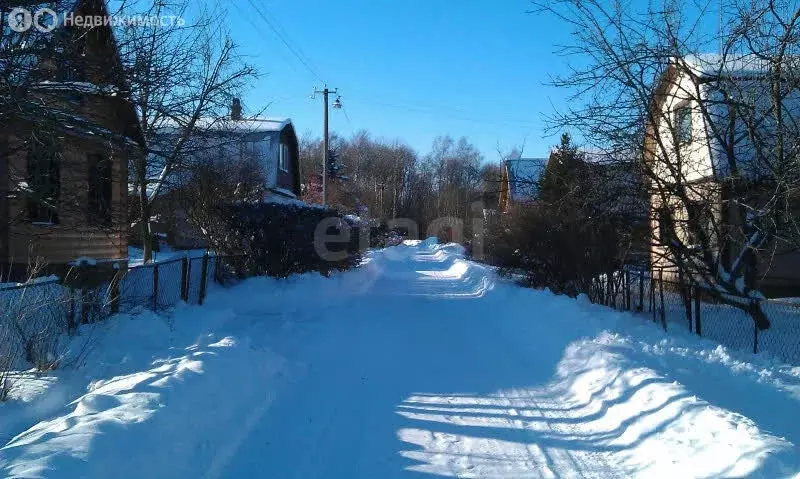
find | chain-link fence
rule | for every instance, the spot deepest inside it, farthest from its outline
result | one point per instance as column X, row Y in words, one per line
column 35, row 315
column 47, row 305
column 31, row 320
column 677, row 304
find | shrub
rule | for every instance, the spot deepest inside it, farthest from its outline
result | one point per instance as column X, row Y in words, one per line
column 32, row 319
column 280, row 239
column 554, row 250
column 8, row 357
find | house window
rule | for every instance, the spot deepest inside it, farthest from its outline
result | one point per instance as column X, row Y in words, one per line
column 100, row 176
column 71, row 61
column 44, row 182
column 699, row 220
column 666, row 227
column 683, row 124
column 283, row 160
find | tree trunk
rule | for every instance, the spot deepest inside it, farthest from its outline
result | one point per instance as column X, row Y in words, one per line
column 144, row 216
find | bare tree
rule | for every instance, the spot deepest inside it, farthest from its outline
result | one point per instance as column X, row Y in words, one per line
column 183, row 78
column 230, row 178
column 715, row 135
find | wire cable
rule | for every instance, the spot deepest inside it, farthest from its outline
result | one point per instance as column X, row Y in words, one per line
column 305, row 61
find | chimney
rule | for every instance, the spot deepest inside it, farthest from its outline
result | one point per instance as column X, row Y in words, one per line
column 236, row 109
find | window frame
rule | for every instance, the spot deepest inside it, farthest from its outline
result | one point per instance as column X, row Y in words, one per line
column 666, row 226
column 99, row 213
column 283, row 157
column 684, row 133
column 43, row 162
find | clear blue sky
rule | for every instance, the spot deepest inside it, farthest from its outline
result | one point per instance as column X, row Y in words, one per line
column 411, row 69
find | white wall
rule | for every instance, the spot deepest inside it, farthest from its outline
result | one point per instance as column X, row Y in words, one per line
column 695, row 155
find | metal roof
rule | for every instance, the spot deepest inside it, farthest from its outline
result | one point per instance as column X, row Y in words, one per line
column 523, row 177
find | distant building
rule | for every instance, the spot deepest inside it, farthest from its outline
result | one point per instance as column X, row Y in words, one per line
column 618, row 193
column 519, row 181
column 270, row 142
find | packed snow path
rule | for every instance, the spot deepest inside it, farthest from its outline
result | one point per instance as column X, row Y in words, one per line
column 423, row 364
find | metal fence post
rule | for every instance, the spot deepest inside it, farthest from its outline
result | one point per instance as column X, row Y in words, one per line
column 628, row 290
column 697, row 322
column 155, row 286
column 687, row 302
column 612, row 291
column 652, row 301
column 641, row 290
column 219, row 269
column 755, row 333
column 661, row 293
column 185, row 279
column 203, row 278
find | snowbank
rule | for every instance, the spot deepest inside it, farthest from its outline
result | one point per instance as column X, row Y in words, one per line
column 149, row 382
column 418, row 362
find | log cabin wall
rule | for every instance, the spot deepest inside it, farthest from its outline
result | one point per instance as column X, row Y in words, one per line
column 73, row 235
column 4, row 226
column 88, row 116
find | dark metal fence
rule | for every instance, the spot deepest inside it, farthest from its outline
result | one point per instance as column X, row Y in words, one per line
column 677, row 304
column 154, row 286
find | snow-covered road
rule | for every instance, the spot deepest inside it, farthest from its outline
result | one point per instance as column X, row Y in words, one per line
column 419, row 363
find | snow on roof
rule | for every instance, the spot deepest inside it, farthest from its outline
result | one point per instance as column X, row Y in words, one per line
column 224, row 124
column 523, row 177
column 68, row 121
column 257, row 124
column 744, row 77
column 79, row 87
column 741, row 65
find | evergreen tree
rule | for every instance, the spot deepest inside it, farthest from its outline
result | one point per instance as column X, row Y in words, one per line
column 565, row 177
column 335, row 165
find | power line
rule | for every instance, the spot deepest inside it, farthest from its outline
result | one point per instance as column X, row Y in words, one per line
column 441, row 111
column 295, row 51
column 288, row 60
column 349, row 123
column 448, row 112
column 288, row 37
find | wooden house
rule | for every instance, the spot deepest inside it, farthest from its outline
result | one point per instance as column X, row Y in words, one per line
column 698, row 101
column 65, row 147
column 519, row 181
column 268, row 143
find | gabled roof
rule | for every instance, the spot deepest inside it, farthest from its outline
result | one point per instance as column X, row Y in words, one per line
column 256, row 124
column 730, row 65
column 211, row 134
column 746, row 79
column 27, row 45
column 28, row 48
column 523, row 177
column 254, row 128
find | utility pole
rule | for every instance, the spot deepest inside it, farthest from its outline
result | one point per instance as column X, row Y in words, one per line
column 336, row 104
